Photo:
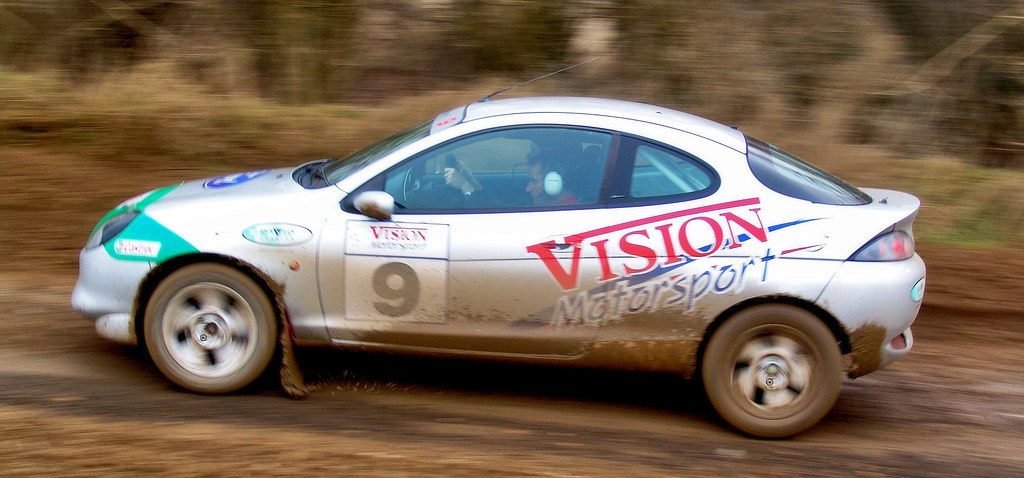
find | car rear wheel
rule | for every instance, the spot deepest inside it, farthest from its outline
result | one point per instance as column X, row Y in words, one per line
column 772, row 370
column 210, row 328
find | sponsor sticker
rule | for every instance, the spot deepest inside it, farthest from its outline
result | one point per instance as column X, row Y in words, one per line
column 233, row 179
column 397, row 239
column 639, row 246
column 276, row 234
column 448, row 119
column 138, row 248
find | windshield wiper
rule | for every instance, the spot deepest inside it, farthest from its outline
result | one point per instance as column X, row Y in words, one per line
column 320, row 171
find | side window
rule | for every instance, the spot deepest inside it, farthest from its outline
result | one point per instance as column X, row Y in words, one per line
column 517, row 168
column 660, row 172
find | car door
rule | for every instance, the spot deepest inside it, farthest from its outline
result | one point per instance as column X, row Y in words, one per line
column 484, row 268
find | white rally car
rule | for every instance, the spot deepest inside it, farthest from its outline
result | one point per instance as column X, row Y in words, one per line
column 550, row 230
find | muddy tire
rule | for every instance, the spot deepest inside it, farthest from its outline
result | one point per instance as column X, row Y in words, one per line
column 772, row 370
column 210, row 328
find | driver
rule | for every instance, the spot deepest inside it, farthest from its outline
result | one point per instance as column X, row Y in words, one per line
column 546, row 186
column 547, row 181
column 457, row 175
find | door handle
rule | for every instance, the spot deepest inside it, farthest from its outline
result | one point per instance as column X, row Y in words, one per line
column 563, row 243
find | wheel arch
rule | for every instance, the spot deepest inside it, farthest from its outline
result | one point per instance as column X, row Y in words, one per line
column 273, row 290
column 826, row 318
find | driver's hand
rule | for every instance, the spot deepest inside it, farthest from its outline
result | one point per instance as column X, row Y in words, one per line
column 461, row 178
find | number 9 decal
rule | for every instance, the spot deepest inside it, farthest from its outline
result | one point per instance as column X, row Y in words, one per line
column 393, row 273
column 399, row 286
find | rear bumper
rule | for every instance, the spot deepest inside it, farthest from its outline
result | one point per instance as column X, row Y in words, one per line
column 876, row 302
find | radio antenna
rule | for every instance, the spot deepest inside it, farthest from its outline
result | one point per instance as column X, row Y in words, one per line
column 488, row 97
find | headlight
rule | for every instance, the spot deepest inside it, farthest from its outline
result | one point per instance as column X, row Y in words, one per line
column 892, row 246
column 110, row 228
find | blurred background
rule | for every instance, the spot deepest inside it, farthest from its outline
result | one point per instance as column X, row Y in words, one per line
column 918, row 95
column 101, row 100
column 923, row 75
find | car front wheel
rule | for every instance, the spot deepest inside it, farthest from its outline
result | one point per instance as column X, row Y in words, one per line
column 772, row 370
column 210, row 328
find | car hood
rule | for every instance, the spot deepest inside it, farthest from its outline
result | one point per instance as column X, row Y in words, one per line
column 240, row 186
column 235, row 201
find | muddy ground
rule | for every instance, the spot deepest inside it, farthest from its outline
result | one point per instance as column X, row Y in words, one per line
column 72, row 404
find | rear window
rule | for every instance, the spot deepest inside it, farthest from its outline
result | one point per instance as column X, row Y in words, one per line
column 789, row 175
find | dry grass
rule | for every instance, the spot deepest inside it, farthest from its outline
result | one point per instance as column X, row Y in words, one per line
column 151, row 124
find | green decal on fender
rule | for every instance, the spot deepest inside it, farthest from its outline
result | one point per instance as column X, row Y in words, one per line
column 146, row 240
column 137, row 205
column 155, row 196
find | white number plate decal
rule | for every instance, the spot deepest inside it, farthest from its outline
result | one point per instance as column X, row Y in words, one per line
column 396, row 272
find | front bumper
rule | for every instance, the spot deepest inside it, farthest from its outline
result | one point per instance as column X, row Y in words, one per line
column 106, row 291
column 876, row 302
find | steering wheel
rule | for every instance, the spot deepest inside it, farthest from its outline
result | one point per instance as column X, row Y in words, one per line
column 409, row 186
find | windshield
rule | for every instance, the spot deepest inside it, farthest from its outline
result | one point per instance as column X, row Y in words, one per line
column 787, row 174
column 338, row 169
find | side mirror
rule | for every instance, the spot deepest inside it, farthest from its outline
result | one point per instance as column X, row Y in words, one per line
column 375, row 204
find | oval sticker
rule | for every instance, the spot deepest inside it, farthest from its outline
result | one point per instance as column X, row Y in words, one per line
column 233, row 179
column 277, row 234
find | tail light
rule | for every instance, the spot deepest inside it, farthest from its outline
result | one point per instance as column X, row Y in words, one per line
column 892, row 246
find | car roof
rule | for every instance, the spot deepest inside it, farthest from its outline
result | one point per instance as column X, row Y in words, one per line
column 711, row 130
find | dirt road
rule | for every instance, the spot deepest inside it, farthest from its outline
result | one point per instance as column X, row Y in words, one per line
column 73, row 404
